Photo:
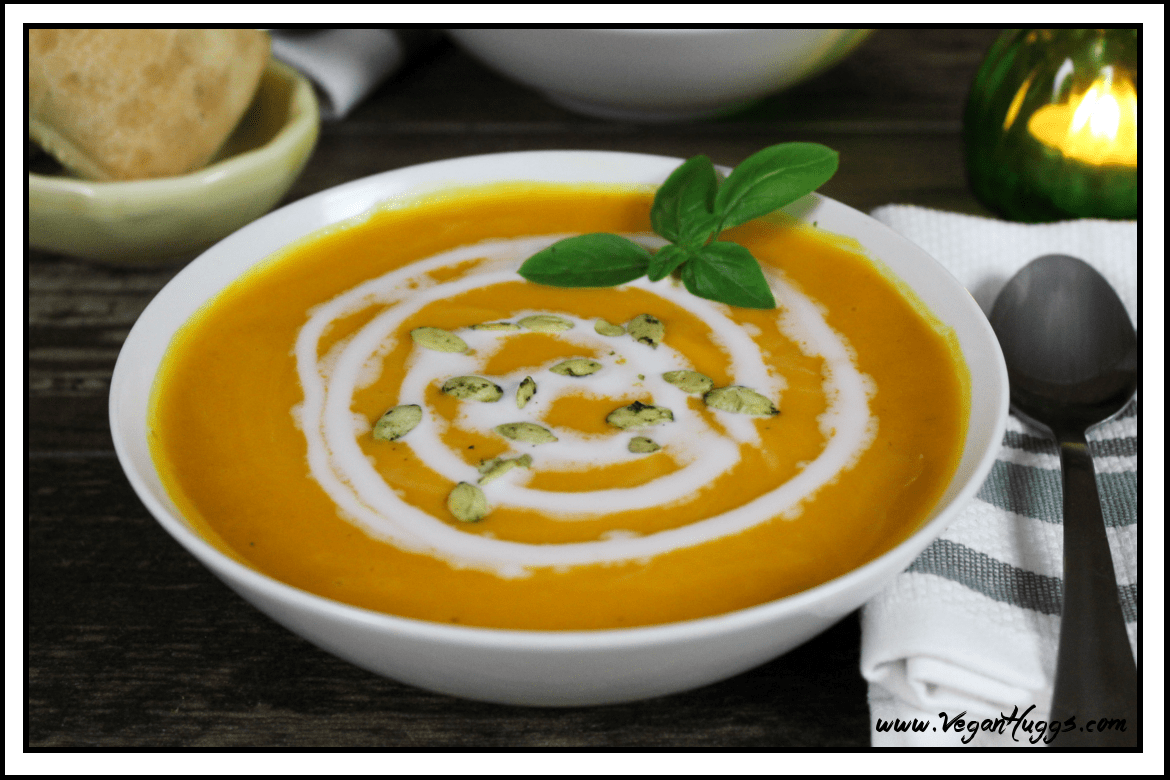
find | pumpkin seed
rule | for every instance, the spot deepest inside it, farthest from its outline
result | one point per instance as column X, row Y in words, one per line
column 527, row 432
column 495, row 326
column 438, row 340
column 525, row 392
column 576, row 367
column 607, row 328
column 497, row 467
column 545, row 323
column 467, row 503
column 639, row 415
column 647, row 329
column 641, row 444
column 397, row 422
column 741, row 400
column 474, row 388
column 689, row 381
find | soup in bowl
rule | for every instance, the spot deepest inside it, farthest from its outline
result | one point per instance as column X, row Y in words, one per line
column 359, row 415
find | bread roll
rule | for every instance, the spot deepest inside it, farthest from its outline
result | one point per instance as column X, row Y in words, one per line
column 139, row 104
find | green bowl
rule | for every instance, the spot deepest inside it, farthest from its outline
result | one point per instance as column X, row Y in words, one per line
column 152, row 221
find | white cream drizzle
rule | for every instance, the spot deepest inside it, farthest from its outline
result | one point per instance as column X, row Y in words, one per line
column 363, row 497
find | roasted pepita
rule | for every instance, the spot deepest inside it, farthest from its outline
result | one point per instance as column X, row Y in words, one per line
column 473, row 388
column 647, row 329
column 640, row 444
column 497, row 467
column 689, row 381
column 741, row 400
column 438, row 340
column 545, row 323
column 576, row 367
column 525, row 391
column 639, row 415
column 529, row 433
column 467, row 503
column 397, row 422
column 607, row 328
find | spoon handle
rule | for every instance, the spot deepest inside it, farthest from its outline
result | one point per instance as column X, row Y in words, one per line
column 1095, row 673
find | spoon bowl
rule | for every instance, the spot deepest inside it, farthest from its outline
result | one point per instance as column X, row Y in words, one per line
column 1071, row 354
column 1070, row 348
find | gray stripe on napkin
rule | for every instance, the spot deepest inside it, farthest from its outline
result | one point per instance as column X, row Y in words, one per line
column 1129, row 605
column 1037, row 493
column 1118, row 448
column 1033, row 444
column 1003, row 582
column 1118, row 498
column 1024, row 490
column 1124, row 446
column 993, row 578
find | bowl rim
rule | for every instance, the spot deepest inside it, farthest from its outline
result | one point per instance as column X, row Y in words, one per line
column 303, row 120
column 226, row 567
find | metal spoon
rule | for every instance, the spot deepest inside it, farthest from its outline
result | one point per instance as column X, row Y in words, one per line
column 1071, row 355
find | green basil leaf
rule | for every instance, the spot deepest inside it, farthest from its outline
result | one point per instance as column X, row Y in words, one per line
column 728, row 273
column 590, row 260
column 702, row 228
column 771, row 179
column 686, row 196
column 690, row 209
column 668, row 258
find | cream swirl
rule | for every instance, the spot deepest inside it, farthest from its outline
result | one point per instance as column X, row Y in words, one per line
column 363, row 497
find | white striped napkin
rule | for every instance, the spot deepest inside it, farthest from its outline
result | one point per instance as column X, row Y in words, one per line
column 971, row 628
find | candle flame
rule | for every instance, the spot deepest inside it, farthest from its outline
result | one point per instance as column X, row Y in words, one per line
column 1097, row 126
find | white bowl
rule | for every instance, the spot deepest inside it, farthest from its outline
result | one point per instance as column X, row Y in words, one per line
column 546, row 667
column 151, row 221
column 657, row 75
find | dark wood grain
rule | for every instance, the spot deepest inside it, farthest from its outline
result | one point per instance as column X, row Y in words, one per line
column 131, row 643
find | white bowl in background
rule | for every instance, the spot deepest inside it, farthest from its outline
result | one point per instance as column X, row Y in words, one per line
column 657, row 75
column 546, row 667
column 149, row 221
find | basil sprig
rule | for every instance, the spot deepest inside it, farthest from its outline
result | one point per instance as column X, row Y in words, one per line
column 691, row 208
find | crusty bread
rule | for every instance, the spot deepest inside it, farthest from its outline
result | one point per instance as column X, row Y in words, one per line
column 139, row 104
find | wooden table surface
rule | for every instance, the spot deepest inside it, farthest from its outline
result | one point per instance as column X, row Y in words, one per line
column 130, row 642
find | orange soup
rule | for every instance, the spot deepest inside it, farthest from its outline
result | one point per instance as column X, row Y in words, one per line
column 387, row 415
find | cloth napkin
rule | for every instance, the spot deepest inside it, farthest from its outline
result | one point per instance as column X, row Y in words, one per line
column 347, row 65
column 970, row 629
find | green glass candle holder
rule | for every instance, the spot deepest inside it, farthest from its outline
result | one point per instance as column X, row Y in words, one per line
column 1050, row 127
